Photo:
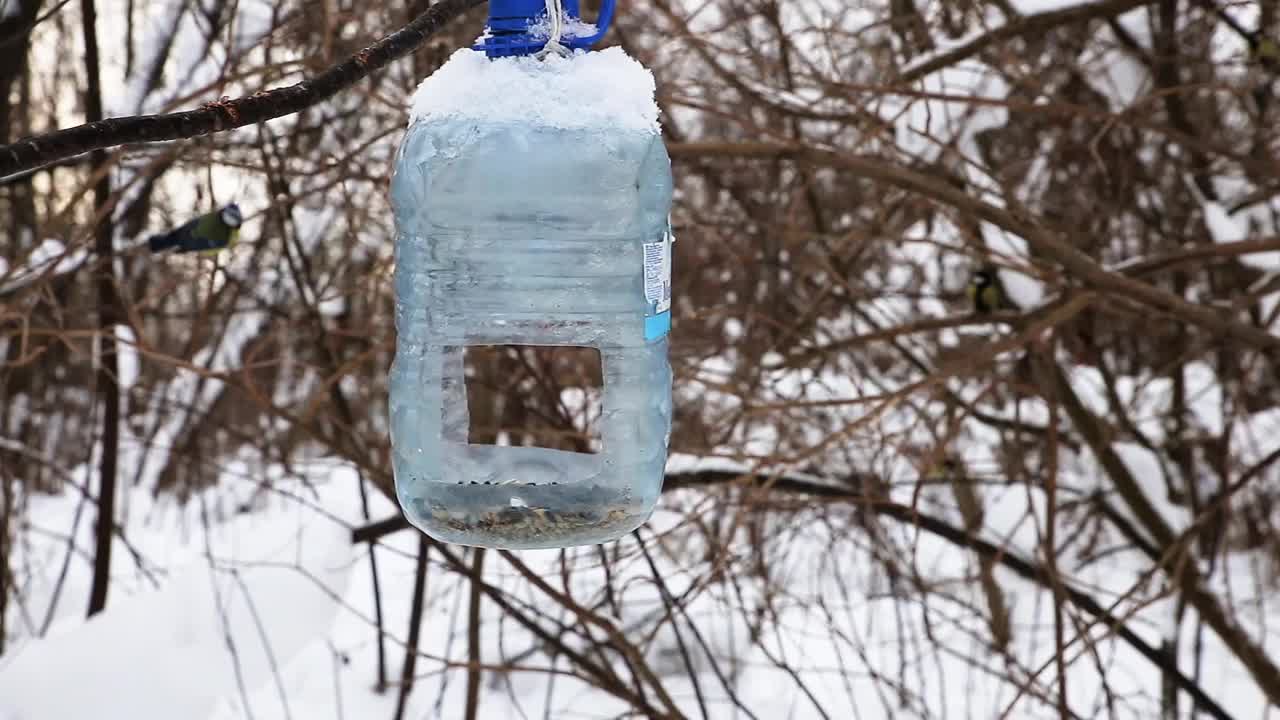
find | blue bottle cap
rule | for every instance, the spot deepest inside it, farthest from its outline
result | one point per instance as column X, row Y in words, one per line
column 510, row 22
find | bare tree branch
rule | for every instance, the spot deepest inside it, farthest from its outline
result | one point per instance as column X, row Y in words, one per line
column 852, row 491
column 473, row 635
column 415, row 627
column 224, row 115
column 108, row 362
column 1036, row 24
column 1015, row 221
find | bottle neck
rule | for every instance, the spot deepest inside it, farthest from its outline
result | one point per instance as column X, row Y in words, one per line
column 512, row 22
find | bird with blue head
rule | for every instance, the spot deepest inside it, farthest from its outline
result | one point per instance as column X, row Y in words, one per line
column 208, row 234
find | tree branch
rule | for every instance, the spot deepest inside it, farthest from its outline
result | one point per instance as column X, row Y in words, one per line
column 854, row 491
column 108, row 361
column 473, row 635
column 226, row 115
column 1036, row 24
column 415, row 627
column 1173, row 548
column 1043, row 240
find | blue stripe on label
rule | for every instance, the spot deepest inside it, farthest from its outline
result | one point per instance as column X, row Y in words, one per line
column 655, row 326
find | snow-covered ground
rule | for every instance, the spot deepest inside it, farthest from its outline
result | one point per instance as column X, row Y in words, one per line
column 213, row 603
column 248, row 604
column 252, row 603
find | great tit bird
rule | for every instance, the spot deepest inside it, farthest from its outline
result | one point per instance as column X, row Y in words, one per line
column 947, row 468
column 986, row 292
column 207, row 234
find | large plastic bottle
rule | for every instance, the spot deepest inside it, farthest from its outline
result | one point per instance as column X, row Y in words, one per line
column 532, row 197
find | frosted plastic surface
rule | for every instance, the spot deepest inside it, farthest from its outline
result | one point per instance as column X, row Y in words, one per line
column 526, row 232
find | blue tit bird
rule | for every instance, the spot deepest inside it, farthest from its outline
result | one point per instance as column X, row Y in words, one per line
column 207, row 234
column 986, row 292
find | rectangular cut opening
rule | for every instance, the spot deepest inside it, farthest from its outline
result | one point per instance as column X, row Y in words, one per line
column 534, row 396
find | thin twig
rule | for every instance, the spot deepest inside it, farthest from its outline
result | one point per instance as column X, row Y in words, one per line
column 415, row 627
column 473, row 636
column 665, row 594
column 908, row 515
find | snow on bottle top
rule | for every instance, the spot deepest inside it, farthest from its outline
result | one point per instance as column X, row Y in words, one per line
column 601, row 88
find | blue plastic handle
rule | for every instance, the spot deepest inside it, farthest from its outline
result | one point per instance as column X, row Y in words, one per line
column 602, row 22
column 509, row 22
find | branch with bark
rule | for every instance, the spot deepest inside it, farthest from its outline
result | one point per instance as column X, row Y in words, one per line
column 108, row 368
column 858, row 489
column 228, row 114
column 1052, row 242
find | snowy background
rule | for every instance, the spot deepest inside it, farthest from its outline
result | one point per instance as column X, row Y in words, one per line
column 841, row 167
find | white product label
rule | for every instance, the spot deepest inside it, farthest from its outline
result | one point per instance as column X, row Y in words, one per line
column 657, row 275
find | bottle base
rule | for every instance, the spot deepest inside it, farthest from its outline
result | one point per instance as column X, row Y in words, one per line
column 527, row 516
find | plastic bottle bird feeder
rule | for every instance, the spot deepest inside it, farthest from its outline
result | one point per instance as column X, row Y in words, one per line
column 532, row 191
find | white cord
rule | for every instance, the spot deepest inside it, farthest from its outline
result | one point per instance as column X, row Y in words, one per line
column 555, row 13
